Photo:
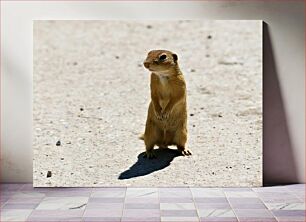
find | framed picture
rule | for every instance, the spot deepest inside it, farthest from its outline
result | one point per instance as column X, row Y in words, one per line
column 147, row 103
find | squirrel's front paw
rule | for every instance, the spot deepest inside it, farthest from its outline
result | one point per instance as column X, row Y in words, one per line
column 165, row 115
column 158, row 115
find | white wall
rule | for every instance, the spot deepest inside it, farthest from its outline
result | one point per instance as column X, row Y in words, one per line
column 286, row 31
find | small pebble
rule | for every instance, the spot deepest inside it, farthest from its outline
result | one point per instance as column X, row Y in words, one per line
column 75, row 63
column 192, row 70
column 193, row 125
column 58, row 143
column 117, row 57
column 68, row 142
column 191, row 114
column 149, row 26
column 62, row 158
column 81, row 109
column 49, row 174
column 209, row 37
column 219, row 115
column 207, row 56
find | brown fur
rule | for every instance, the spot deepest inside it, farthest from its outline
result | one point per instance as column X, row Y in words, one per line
column 167, row 115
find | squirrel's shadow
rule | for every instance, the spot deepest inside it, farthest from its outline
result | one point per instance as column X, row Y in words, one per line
column 145, row 166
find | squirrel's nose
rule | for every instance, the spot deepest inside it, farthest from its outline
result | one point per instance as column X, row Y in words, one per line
column 146, row 64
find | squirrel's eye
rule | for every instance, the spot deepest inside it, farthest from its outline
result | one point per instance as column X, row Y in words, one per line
column 162, row 57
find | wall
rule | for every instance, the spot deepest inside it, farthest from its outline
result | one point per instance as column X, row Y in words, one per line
column 284, row 80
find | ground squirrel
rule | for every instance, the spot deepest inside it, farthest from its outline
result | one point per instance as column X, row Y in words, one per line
column 167, row 115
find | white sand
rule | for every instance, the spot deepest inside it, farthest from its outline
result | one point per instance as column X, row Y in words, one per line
column 97, row 66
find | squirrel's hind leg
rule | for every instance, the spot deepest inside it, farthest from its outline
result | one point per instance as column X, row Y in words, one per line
column 180, row 140
column 151, row 138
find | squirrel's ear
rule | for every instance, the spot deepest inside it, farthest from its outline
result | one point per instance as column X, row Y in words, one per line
column 174, row 57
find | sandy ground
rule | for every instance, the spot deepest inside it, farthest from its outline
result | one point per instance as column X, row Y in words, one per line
column 91, row 93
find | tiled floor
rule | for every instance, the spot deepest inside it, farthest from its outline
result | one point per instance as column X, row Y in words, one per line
column 21, row 202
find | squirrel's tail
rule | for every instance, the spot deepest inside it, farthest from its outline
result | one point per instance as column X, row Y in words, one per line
column 141, row 137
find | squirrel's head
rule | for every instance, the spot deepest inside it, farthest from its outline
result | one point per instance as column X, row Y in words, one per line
column 161, row 61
